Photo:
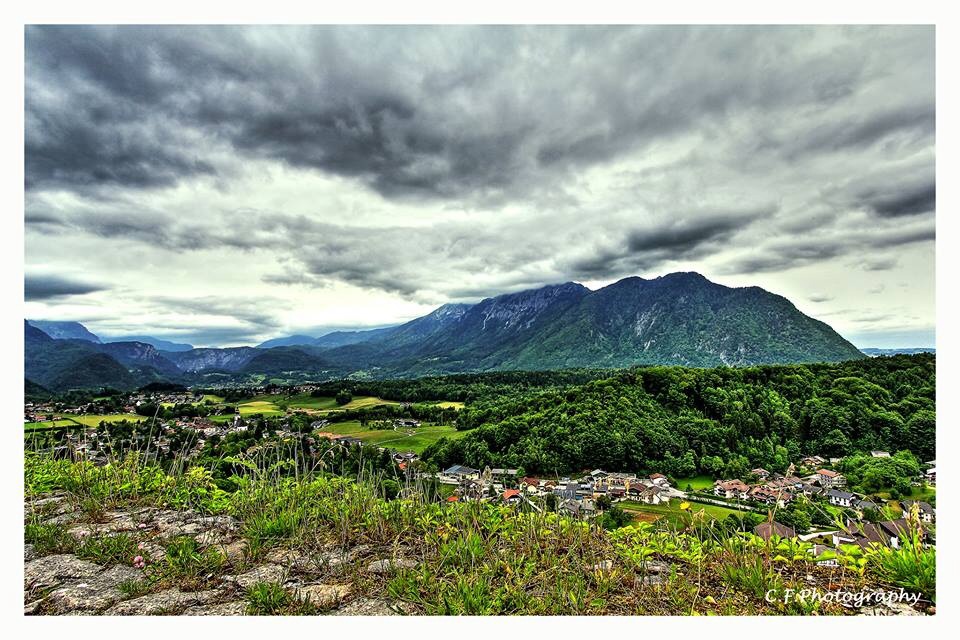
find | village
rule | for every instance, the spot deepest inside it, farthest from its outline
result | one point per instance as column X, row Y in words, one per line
column 762, row 493
column 812, row 480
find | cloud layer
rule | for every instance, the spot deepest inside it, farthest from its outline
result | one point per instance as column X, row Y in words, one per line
column 281, row 175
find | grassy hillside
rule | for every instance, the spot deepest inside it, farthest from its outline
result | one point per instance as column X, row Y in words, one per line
column 413, row 554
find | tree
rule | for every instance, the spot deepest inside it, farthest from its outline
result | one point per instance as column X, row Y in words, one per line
column 550, row 500
column 343, row 397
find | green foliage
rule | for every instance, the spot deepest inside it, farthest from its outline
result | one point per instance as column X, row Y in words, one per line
column 48, row 538
column 681, row 421
column 266, row 599
column 485, row 558
column 870, row 475
column 911, row 566
column 119, row 548
column 184, row 559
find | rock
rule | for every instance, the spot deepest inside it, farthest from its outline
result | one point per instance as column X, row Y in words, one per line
column 282, row 556
column 603, row 567
column 657, row 566
column 890, row 609
column 169, row 601
column 29, row 553
column 263, row 573
column 31, row 608
column 51, row 571
column 63, row 518
column 221, row 523
column 52, row 506
column 389, row 565
column 119, row 521
column 236, row 608
column 156, row 552
column 98, row 593
column 323, row 596
column 235, row 552
column 211, row 537
column 375, row 607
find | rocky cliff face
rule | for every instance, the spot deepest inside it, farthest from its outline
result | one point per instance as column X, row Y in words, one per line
column 232, row 359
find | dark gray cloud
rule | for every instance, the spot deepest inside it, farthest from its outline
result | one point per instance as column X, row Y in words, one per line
column 921, row 199
column 142, row 107
column 432, row 164
column 46, row 287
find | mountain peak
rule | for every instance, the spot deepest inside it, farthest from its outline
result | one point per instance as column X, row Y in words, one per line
column 64, row 330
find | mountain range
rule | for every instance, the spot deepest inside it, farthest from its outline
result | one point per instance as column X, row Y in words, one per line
column 679, row 318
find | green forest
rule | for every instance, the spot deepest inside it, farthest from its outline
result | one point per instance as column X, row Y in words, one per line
column 720, row 421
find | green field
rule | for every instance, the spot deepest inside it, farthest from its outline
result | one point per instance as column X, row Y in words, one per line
column 275, row 404
column 94, row 420
column 672, row 512
column 86, row 420
column 401, row 439
column 49, row 424
column 697, row 482
column 448, row 404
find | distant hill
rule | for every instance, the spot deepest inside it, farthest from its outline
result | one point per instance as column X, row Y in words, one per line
column 679, row 318
column 64, row 330
column 328, row 340
column 163, row 345
column 873, row 352
column 59, row 365
column 283, row 359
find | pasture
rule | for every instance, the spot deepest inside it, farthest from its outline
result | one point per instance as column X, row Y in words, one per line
column 415, row 440
column 85, row 420
column 673, row 514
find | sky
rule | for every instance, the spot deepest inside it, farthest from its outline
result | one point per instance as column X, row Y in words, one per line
column 225, row 185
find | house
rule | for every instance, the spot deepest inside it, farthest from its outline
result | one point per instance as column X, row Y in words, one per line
column 760, row 473
column 812, row 461
column 931, row 475
column 769, row 495
column 865, row 504
column 503, row 473
column 767, row 529
column 578, row 508
column 407, row 422
column 812, row 490
column 825, row 556
column 511, row 496
column 864, row 534
column 785, row 482
column 828, row 478
column 731, row 489
column 461, row 472
column 927, row 513
column 567, row 491
column 840, row 498
column 653, row 495
column 659, row 479
column 880, row 454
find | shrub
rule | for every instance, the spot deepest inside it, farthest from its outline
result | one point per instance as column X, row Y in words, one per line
column 108, row 549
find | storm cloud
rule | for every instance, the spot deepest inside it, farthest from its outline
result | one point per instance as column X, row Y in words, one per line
column 46, row 287
column 315, row 168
